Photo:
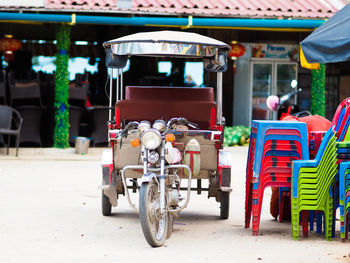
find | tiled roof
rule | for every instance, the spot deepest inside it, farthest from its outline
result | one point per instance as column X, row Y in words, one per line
column 225, row 8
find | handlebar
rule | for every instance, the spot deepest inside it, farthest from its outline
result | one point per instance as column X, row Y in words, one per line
column 181, row 121
column 286, row 97
column 130, row 126
column 134, row 125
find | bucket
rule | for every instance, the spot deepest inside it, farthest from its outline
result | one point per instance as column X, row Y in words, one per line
column 82, row 145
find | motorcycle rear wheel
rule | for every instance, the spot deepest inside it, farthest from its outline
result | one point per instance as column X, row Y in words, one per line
column 154, row 225
column 225, row 205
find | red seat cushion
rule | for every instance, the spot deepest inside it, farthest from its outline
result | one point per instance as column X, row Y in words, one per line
column 169, row 93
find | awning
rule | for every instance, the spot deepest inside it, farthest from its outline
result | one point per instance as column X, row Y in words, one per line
column 331, row 41
column 315, row 9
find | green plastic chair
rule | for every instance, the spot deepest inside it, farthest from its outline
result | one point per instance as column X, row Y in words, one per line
column 313, row 190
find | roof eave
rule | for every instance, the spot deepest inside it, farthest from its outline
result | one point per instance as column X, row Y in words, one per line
column 323, row 15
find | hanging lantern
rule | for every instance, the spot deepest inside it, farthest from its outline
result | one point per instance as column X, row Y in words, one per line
column 237, row 50
column 8, row 45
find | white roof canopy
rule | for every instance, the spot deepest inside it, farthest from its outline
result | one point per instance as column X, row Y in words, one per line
column 166, row 43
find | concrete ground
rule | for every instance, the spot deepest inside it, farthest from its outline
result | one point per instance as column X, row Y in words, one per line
column 50, row 212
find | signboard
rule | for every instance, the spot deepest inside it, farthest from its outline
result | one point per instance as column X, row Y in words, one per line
column 275, row 51
column 31, row 3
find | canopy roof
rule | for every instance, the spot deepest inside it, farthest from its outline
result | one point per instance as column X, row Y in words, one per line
column 166, row 43
column 169, row 37
column 331, row 41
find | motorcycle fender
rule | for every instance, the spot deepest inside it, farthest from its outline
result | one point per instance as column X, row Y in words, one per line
column 225, row 178
column 146, row 178
column 224, row 169
column 107, row 162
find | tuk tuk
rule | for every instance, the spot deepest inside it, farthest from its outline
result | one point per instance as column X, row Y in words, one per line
column 162, row 137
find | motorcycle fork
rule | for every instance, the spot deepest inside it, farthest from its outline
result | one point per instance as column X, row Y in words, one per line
column 162, row 179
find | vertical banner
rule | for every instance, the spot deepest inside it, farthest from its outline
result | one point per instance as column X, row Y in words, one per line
column 318, row 91
column 61, row 134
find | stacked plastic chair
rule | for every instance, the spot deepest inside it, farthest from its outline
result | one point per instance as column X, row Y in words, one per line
column 341, row 120
column 273, row 147
column 315, row 138
column 344, row 198
column 312, row 184
column 340, row 113
column 343, row 137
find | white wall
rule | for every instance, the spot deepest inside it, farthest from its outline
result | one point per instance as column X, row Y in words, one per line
column 242, row 92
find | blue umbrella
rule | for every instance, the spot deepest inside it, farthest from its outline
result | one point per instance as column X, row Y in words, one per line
column 331, row 41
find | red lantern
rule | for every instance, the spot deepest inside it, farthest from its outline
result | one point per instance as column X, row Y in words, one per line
column 9, row 44
column 237, row 50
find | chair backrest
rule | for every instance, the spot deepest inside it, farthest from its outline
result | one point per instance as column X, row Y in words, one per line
column 337, row 115
column 340, row 118
column 78, row 95
column 5, row 117
column 324, row 143
column 3, row 85
column 25, row 90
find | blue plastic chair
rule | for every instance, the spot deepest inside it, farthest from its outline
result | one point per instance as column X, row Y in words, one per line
column 344, row 183
column 263, row 126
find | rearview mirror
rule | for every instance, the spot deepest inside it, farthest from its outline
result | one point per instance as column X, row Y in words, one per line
column 217, row 63
column 113, row 61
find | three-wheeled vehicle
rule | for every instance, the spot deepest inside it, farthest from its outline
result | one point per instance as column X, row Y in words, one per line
column 164, row 138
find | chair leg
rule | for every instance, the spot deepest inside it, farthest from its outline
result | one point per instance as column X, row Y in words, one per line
column 17, row 144
column 295, row 218
column 304, row 222
column 256, row 209
column 328, row 215
column 311, row 220
column 281, row 206
column 8, row 144
column 248, row 210
column 318, row 222
column 346, row 225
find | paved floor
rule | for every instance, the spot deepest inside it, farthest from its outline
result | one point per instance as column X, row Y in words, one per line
column 50, row 212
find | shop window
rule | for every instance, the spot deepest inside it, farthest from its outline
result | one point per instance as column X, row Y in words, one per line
column 164, row 67
column 194, row 74
column 77, row 65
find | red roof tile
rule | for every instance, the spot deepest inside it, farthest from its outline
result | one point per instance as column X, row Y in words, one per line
column 226, row 8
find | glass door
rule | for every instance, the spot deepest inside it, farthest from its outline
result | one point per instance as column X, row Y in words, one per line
column 270, row 78
column 286, row 78
column 262, row 85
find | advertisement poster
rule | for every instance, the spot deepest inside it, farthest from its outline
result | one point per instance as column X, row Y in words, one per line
column 279, row 51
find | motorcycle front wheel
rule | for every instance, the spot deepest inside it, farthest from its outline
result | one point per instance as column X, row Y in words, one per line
column 154, row 225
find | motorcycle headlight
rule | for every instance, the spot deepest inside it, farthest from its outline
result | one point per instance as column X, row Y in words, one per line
column 159, row 125
column 144, row 125
column 151, row 139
